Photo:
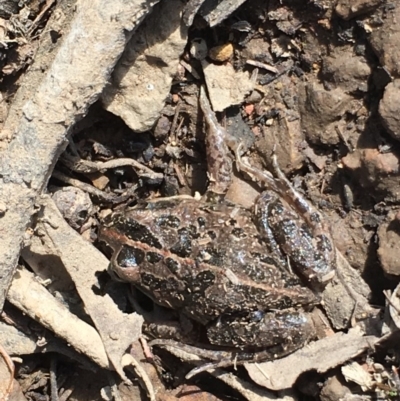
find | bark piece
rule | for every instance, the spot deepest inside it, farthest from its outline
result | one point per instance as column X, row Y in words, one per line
column 321, row 356
column 226, row 86
column 348, row 9
column 84, row 263
column 215, row 12
column 74, row 81
column 16, row 343
column 142, row 78
column 28, row 295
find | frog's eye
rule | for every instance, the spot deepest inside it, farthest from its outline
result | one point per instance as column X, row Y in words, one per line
column 130, row 257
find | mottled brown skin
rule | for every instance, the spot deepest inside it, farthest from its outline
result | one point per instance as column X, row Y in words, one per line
column 224, row 266
column 209, row 262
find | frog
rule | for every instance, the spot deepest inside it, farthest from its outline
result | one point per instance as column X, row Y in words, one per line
column 249, row 276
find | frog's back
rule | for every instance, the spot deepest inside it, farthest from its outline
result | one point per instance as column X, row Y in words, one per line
column 206, row 259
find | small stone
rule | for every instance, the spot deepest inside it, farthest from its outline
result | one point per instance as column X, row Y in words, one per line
column 221, row 53
column 99, row 180
column 249, row 109
column 385, row 41
column 389, row 109
column 74, row 204
column 225, row 85
column 321, row 111
column 334, row 390
column 389, row 245
column 348, row 9
column 198, row 49
column 376, row 170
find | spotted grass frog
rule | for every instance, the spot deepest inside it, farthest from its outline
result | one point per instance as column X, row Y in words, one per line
column 248, row 276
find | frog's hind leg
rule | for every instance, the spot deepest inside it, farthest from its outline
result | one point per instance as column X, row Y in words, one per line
column 272, row 335
column 218, row 155
column 319, row 229
column 309, row 213
column 315, row 221
column 282, row 186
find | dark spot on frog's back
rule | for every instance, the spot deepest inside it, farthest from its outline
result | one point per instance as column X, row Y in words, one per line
column 154, row 283
column 324, row 244
column 315, row 217
column 212, row 256
column 206, row 277
column 153, row 257
column 193, row 231
column 285, row 228
column 212, row 234
column 183, row 247
column 136, row 231
column 197, row 284
column 168, row 221
column 173, row 265
column 239, row 233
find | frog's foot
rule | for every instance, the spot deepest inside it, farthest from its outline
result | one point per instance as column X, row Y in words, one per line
column 263, row 177
column 223, row 359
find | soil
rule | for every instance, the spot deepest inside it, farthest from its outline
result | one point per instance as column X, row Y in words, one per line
column 316, row 81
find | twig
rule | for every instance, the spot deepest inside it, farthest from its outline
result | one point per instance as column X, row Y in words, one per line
column 344, row 139
column 146, row 349
column 39, row 17
column 172, row 131
column 53, row 379
column 129, row 360
column 388, row 297
column 90, row 189
column 66, row 394
column 190, row 69
column 85, row 166
column 264, row 66
column 11, row 368
column 102, row 196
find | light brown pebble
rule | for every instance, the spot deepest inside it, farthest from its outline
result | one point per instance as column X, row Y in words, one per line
column 221, row 53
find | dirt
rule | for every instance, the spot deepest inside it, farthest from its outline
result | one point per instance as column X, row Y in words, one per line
column 316, row 81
